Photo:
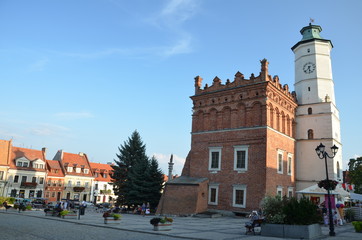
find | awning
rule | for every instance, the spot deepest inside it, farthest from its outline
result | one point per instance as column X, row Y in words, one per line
column 356, row 196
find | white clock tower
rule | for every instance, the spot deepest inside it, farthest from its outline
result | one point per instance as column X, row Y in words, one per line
column 317, row 117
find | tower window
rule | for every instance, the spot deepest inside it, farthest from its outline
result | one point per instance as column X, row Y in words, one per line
column 308, row 89
column 308, row 50
column 310, row 134
column 310, row 111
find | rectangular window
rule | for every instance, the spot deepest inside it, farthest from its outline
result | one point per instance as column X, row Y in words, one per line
column 31, row 193
column 280, row 162
column 241, row 158
column 16, row 178
column 239, row 196
column 69, row 183
column 77, row 170
column 289, row 164
column 53, row 194
column 49, row 182
column 19, row 164
column 96, row 174
column 25, row 164
column 33, row 179
column 86, row 184
column 35, row 165
column 78, row 183
column 280, row 191
column 290, row 192
column 213, row 194
column 214, row 158
column 96, row 186
column 104, row 175
column 1, row 175
column 70, row 169
column 86, row 171
column 23, row 179
column 41, row 180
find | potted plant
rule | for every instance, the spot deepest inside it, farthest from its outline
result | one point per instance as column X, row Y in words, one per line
column 324, row 184
column 357, row 226
column 63, row 213
column 290, row 218
column 111, row 218
column 161, row 224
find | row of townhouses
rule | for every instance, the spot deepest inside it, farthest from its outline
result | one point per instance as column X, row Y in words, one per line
column 27, row 173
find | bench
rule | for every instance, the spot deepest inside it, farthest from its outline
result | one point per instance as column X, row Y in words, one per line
column 254, row 226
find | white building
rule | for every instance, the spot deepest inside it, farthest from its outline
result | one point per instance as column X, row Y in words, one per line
column 317, row 116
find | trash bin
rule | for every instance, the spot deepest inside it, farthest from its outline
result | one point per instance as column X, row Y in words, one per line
column 81, row 210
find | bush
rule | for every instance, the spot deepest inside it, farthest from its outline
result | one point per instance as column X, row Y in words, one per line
column 290, row 211
column 357, row 226
column 349, row 214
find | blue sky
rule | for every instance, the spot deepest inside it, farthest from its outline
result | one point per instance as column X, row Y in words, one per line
column 83, row 75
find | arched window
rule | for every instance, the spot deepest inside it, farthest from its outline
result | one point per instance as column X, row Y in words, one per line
column 310, row 111
column 310, row 134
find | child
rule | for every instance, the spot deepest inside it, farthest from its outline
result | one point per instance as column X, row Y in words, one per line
column 325, row 219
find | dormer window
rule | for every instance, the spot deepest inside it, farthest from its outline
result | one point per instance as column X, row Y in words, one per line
column 22, row 162
column 86, row 171
column 77, row 170
column 70, row 169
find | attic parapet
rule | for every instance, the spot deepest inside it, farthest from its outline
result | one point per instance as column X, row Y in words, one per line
column 240, row 80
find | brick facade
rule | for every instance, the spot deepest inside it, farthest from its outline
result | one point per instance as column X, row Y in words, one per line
column 249, row 119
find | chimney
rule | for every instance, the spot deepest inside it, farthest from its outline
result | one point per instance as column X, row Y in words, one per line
column 44, row 150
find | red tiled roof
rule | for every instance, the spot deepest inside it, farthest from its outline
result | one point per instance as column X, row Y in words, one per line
column 31, row 154
column 52, row 165
column 78, row 160
column 102, row 168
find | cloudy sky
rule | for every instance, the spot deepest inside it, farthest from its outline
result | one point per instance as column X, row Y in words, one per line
column 82, row 75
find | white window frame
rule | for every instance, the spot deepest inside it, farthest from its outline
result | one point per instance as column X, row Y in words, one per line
column 241, row 187
column 280, row 152
column 237, row 149
column 211, row 150
column 213, row 186
column 69, row 183
column 290, row 164
column 86, row 171
column 69, row 169
column 290, row 190
column 78, row 183
column 280, row 189
column 77, row 170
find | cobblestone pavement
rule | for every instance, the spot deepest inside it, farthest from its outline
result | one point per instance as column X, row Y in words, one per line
column 222, row 228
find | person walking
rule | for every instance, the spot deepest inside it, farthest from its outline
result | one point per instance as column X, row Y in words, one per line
column 143, row 210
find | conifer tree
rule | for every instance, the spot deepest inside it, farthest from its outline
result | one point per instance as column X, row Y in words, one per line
column 154, row 182
column 136, row 178
column 130, row 153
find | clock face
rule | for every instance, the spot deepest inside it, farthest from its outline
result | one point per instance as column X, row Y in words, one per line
column 309, row 67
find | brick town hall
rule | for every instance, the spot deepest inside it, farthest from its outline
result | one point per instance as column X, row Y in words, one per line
column 254, row 137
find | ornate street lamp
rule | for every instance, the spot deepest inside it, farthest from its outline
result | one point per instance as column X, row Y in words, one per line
column 320, row 150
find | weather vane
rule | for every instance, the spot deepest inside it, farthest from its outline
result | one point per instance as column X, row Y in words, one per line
column 311, row 20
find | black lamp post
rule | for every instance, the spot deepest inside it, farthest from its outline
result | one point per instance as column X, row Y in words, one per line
column 320, row 150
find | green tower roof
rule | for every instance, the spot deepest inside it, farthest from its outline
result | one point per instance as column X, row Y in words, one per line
column 311, row 33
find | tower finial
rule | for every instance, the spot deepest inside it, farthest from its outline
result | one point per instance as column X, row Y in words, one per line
column 311, row 20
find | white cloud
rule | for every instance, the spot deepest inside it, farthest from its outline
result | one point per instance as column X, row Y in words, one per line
column 178, row 11
column 73, row 115
column 47, row 129
column 163, row 160
column 39, row 65
column 182, row 46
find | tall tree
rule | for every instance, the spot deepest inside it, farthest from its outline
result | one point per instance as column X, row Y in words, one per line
column 154, row 180
column 131, row 152
column 136, row 178
column 355, row 173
